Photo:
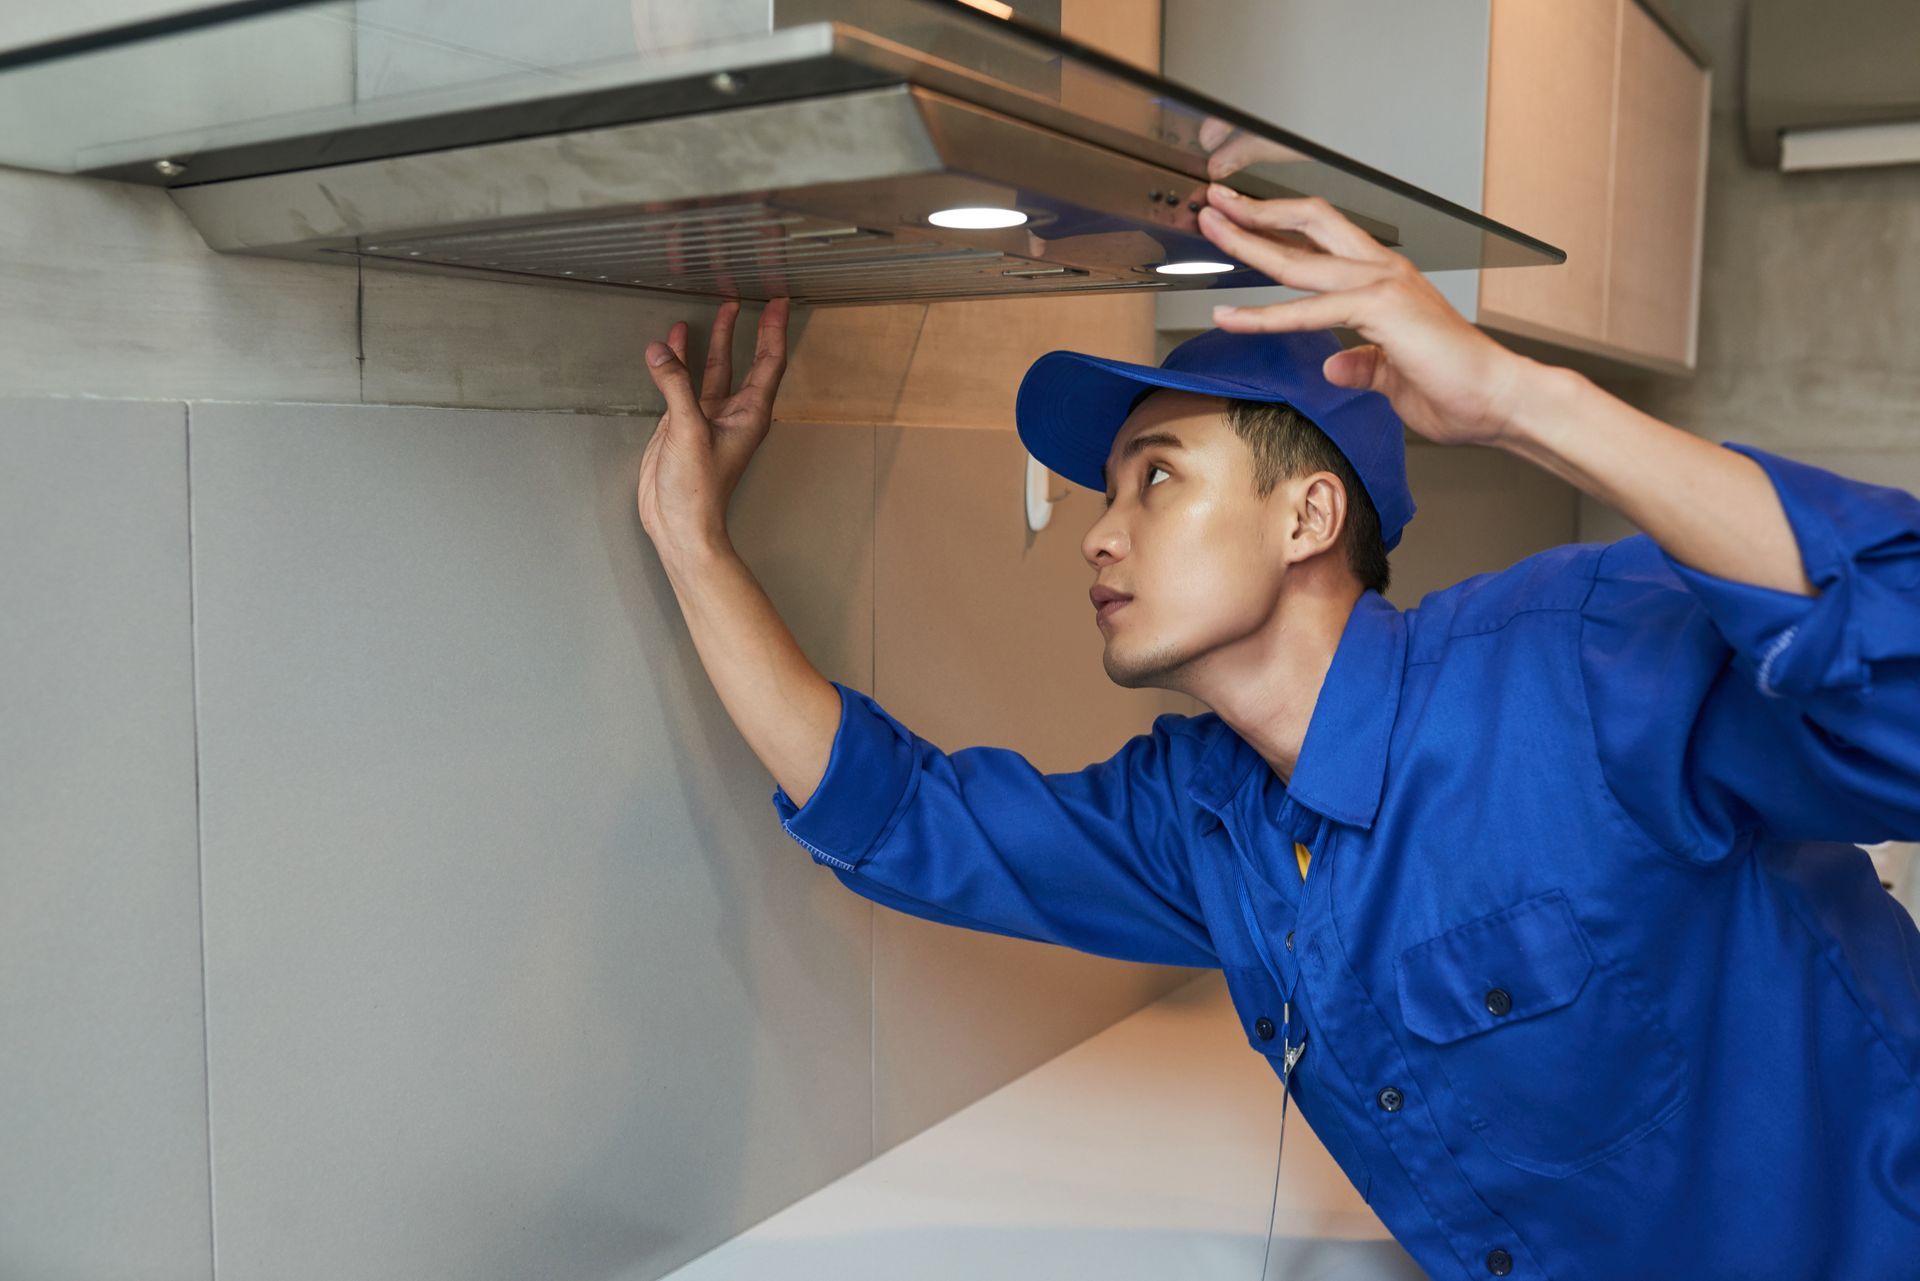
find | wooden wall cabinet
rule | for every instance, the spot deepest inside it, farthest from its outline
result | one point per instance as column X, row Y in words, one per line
column 1597, row 142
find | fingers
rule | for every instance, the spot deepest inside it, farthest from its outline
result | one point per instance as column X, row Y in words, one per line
column 677, row 340
column 1312, row 216
column 1213, row 132
column 718, row 382
column 1359, row 367
column 1320, row 311
column 670, row 375
column 1223, row 164
column 1294, row 267
column 770, row 349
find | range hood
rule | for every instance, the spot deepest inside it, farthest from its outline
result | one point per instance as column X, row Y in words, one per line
column 833, row 151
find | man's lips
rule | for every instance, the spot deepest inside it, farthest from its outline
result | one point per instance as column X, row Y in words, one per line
column 1106, row 608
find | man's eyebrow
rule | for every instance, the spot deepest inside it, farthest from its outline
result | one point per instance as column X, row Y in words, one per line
column 1145, row 440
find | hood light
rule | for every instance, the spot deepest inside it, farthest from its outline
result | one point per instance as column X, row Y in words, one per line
column 1193, row 268
column 977, row 219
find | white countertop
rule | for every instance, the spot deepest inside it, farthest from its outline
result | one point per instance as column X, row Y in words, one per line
column 1146, row 1151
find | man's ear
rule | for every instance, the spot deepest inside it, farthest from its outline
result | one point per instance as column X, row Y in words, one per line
column 1320, row 513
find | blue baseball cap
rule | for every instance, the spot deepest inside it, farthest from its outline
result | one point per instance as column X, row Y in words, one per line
column 1072, row 405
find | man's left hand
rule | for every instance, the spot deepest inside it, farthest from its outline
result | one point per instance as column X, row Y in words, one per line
column 1446, row 379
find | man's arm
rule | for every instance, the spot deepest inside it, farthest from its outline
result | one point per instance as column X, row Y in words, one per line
column 785, row 709
column 1092, row 859
column 1706, row 506
column 1753, row 665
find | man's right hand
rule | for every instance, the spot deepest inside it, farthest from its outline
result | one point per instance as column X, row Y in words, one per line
column 786, row 710
column 703, row 443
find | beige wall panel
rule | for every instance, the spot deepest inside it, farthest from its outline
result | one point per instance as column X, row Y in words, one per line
column 1479, row 510
column 1658, row 191
column 1600, row 523
column 1549, row 140
column 1128, row 29
column 947, row 364
column 983, row 635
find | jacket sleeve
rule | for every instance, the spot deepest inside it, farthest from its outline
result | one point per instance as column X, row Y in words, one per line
column 1726, row 712
column 1092, row 859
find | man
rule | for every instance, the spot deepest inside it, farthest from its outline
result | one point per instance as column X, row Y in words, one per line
column 1543, row 888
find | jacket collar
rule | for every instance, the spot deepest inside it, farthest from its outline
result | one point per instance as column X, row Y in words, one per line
column 1343, row 759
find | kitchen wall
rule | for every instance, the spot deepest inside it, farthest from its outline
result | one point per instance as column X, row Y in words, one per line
column 377, row 853
column 385, row 890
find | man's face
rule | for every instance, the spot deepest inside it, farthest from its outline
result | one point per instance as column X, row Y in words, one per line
column 1187, row 538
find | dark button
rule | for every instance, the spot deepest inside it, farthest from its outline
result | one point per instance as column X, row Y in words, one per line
column 1263, row 1028
column 1193, row 206
column 1498, row 1002
column 1289, row 940
column 1154, row 194
column 1499, row 1262
column 1390, row 1099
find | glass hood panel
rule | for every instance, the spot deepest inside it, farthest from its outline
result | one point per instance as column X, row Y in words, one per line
column 212, row 93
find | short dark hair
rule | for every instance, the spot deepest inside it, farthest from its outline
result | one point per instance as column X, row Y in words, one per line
column 1285, row 444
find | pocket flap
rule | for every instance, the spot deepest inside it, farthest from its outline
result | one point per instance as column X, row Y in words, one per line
column 1534, row 952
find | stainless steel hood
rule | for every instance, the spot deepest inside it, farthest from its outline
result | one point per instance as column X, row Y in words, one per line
column 736, row 148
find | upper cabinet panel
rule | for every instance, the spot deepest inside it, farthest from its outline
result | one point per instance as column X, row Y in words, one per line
column 1659, row 195
column 1596, row 137
column 1550, row 110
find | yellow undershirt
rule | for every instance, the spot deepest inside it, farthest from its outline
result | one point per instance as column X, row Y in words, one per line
column 1301, row 856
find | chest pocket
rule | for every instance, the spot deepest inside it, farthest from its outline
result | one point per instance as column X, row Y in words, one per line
column 1556, row 1059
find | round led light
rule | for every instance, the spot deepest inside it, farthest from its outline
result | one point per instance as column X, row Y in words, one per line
column 1193, row 268
column 981, row 218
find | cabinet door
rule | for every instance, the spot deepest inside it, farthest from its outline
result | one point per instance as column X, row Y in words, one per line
column 1550, row 110
column 1659, row 185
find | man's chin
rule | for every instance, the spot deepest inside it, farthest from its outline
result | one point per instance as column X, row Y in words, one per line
column 1128, row 669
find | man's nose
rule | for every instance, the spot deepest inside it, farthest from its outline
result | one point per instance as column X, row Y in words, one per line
column 1105, row 536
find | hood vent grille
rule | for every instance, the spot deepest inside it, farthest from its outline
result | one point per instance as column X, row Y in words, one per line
column 754, row 250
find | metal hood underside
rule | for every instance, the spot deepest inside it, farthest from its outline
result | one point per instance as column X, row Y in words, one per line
column 764, row 148
column 824, row 200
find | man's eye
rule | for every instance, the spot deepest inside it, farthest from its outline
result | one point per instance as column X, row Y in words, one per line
column 1151, row 468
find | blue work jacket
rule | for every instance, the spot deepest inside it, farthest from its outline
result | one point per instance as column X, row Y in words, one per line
column 1593, row 981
